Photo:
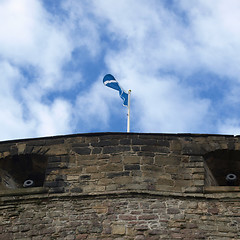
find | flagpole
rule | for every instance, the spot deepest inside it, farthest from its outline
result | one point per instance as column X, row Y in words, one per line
column 128, row 121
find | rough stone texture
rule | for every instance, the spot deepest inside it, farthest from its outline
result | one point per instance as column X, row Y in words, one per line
column 122, row 186
column 128, row 216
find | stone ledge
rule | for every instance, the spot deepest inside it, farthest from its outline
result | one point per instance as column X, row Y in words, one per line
column 118, row 194
column 43, row 193
column 221, row 189
column 23, row 191
column 102, row 134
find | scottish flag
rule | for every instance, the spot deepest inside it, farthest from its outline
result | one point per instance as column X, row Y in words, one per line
column 111, row 82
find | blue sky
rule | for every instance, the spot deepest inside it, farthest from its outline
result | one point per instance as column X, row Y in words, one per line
column 180, row 58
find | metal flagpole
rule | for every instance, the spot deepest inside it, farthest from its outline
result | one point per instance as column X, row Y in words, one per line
column 128, row 121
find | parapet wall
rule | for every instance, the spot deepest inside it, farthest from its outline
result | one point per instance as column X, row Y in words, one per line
column 118, row 185
column 111, row 162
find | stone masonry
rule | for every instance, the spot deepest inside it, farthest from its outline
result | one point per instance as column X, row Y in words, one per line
column 120, row 186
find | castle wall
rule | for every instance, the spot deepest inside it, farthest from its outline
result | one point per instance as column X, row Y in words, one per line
column 129, row 216
column 121, row 186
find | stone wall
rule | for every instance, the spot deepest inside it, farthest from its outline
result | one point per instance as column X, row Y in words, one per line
column 121, row 186
column 126, row 216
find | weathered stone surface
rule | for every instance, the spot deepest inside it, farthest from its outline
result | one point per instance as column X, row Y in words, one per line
column 132, row 167
column 164, row 181
column 53, row 150
column 125, row 142
column 173, row 211
column 49, row 141
column 72, row 177
column 118, row 229
column 122, row 186
column 118, row 174
column 21, row 148
column 96, row 150
column 131, row 160
column 163, row 160
column 114, row 167
column 76, row 190
column 159, row 149
column 143, row 141
column 153, row 216
column 85, row 177
column 91, row 169
column 82, row 150
column 112, row 149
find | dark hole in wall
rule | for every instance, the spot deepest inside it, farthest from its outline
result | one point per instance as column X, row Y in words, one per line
column 219, row 164
column 15, row 170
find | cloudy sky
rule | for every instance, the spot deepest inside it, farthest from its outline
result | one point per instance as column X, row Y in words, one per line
column 180, row 58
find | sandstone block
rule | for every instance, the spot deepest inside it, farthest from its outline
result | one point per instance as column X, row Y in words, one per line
column 114, row 167
column 118, row 229
column 112, row 187
column 115, row 149
column 72, row 177
column 100, row 208
column 115, row 159
column 131, row 159
column 130, row 231
column 96, row 150
column 127, row 217
column 142, row 141
column 198, row 183
column 148, row 217
column 91, row 169
column 117, row 174
column 147, row 160
column 130, row 167
column 54, row 150
column 123, row 180
column 164, row 181
column 82, row 150
column 198, row 176
column 21, row 148
column 157, row 149
column 162, row 160
column 125, row 141
column 105, row 181
column 152, row 168
column 196, row 159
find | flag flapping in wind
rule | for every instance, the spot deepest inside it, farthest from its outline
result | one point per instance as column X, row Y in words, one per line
column 111, row 82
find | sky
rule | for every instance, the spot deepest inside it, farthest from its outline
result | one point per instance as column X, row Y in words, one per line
column 180, row 58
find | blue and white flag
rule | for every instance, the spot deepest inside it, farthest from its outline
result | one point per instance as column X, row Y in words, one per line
column 111, row 82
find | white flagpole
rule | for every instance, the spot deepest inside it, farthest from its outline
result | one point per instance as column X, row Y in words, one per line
column 128, row 121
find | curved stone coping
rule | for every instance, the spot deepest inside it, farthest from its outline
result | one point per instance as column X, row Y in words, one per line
column 41, row 194
column 119, row 133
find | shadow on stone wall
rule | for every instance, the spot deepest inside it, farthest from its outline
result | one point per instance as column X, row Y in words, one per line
column 221, row 163
column 24, row 170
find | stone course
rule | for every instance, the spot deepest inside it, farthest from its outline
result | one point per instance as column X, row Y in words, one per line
column 121, row 186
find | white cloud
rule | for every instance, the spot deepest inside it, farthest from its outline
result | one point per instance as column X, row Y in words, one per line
column 214, row 28
column 92, row 108
column 51, row 119
column 83, row 26
column 156, row 44
column 152, row 49
column 162, row 105
column 11, row 121
column 31, row 39
column 29, row 117
column 29, row 36
column 229, row 126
